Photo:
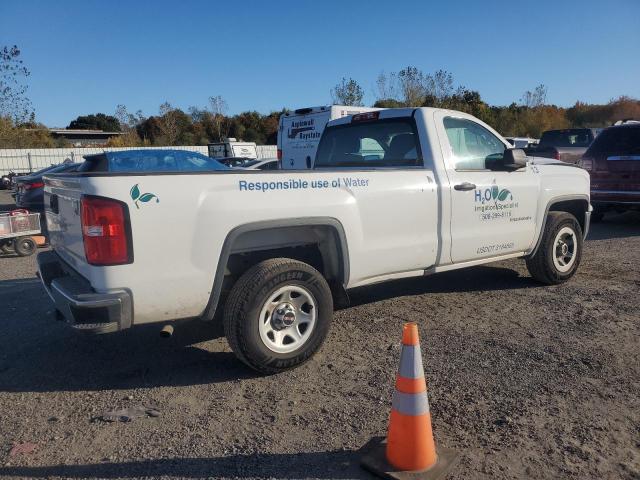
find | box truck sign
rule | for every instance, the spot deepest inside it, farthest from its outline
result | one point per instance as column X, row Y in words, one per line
column 303, row 130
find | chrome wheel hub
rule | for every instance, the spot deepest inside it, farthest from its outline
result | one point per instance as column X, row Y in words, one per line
column 287, row 319
column 283, row 317
column 565, row 248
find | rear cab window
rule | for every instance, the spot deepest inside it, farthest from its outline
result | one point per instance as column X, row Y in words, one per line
column 381, row 143
column 617, row 141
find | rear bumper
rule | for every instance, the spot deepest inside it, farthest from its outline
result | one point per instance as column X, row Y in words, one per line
column 82, row 307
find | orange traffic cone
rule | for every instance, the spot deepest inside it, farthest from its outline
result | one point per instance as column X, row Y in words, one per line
column 409, row 451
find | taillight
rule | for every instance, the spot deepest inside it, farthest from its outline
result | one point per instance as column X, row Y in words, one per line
column 365, row 117
column 556, row 155
column 586, row 163
column 105, row 231
column 279, row 154
column 31, row 186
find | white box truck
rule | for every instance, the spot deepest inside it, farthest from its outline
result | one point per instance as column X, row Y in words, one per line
column 299, row 133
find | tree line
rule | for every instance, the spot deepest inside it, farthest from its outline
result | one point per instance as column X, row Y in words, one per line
column 408, row 87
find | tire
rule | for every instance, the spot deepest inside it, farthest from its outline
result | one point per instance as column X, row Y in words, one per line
column 24, row 246
column 293, row 300
column 551, row 264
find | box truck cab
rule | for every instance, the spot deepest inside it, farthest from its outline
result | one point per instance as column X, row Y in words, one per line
column 299, row 133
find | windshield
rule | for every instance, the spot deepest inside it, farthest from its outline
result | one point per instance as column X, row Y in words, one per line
column 383, row 143
column 566, row 138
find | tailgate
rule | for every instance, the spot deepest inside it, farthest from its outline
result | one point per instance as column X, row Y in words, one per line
column 62, row 207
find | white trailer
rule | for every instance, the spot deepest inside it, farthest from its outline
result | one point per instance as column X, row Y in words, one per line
column 232, row 148
column 299, row 133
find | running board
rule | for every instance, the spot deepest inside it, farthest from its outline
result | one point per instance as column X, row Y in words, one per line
column 472, row 263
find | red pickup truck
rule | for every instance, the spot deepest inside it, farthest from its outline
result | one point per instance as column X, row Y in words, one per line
column 613, row 161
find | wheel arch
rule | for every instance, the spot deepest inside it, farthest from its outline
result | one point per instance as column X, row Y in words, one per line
column 325, row 233
column 577, row 205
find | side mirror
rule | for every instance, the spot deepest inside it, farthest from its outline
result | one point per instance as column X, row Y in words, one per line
column 514, row 158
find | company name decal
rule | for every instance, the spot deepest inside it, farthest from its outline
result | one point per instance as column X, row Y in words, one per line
column 494, row 202
column 298, row 129
column 298, row 184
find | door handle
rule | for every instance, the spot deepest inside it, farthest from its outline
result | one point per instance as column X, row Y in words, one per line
column 465, row 186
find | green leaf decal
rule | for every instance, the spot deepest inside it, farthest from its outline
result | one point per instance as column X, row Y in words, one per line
column 494, row 192
column 145, row 197
column 135, row 192
column 504, row 193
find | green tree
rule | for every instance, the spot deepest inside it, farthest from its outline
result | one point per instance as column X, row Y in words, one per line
column 347, row 92
column 98, row 121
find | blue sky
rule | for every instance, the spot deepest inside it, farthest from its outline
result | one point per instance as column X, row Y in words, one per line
column 88, row 56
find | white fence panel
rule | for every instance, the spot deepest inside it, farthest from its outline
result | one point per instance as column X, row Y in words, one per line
column 32, row 159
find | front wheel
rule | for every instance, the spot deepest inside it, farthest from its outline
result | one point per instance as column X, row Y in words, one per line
column 560, row 250
column 278, row 314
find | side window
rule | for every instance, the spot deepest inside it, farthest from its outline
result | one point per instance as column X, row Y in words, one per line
column 472, row 144
column 370, row 149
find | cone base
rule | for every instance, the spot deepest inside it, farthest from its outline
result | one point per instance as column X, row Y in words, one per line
column 375, row 461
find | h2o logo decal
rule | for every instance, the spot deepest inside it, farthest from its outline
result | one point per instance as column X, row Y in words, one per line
column 493, row 193
column 136, row 196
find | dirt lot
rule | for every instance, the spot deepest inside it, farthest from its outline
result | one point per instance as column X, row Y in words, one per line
column 525, row 381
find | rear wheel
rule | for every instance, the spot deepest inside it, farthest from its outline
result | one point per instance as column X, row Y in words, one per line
column 278, row 314
column 24, row 246
column 560, row 250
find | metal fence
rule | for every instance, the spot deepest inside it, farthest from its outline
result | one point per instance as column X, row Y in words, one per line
column 31, row 159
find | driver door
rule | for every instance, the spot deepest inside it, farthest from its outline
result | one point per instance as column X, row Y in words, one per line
column 492, row 212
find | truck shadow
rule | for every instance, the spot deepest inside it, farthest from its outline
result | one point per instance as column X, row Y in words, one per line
column 337, row 464
column 40, row 354
column 616, row 226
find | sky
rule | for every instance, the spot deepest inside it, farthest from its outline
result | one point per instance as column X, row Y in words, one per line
column 89, row 56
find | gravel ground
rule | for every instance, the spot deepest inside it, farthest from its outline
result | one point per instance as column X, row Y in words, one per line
column 525, row 381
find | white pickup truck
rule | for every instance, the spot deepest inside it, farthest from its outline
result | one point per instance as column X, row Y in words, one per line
column 394, row 193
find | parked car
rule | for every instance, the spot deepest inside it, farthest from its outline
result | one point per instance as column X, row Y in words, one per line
column 613, row 161
column 567, row 145
column 270, row 250
column 236, row 162
column 264, row 164
column 150, row 160
column 29, row 189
